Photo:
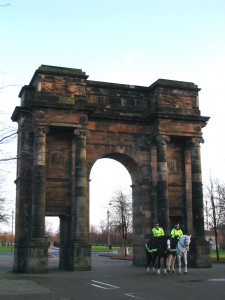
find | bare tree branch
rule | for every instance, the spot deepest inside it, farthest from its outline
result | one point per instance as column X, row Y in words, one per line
column 3, row 5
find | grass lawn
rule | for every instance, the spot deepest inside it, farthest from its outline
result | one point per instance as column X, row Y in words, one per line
column 94, row 249
column 4, row 249
column 102, row 248
column 221, row 254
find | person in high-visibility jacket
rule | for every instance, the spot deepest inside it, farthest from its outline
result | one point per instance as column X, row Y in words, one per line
column 176, row 232
column 157, row 231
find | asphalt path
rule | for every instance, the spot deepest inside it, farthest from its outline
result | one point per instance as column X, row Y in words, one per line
column 110, row 279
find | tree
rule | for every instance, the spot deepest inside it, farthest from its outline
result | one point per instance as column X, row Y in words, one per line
column 7, row 135
column 214, row 198
column 4, row 209
column 120, row 216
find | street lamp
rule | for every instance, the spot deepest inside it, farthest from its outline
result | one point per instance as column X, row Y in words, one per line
column 12, row 230
column 108, row 230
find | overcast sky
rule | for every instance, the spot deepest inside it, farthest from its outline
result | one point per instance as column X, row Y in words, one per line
column 123, row 41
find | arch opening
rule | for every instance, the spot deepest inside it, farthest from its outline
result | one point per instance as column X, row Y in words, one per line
column 107, row 175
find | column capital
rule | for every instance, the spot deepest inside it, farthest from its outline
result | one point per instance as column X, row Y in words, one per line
column 41, row 130
column 82, row 133
column 196, row 141
column 162, row 139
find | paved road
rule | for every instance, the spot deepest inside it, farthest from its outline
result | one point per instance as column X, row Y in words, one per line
column 110, row 279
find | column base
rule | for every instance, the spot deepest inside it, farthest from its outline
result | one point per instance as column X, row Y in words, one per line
column 199, row 253
column 20, row 258
column 37, row 256
column 81, row 256
column 139, row 255
column 31, row 257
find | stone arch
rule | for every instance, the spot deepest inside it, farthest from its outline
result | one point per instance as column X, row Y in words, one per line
column 129, row 163
column 66, row 122
column 140, row 208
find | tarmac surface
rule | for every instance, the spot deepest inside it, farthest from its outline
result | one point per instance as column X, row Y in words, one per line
column 110, row 279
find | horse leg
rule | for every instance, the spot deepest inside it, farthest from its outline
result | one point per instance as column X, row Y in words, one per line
column 185, row 263
column 165, row 264
column 149, row 259
column 173, row 263
column 169, row 259
column 153, row 263
column 158, row 272
column 179, row 264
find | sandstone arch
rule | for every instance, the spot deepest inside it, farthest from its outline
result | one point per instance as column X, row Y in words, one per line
column 66, row 122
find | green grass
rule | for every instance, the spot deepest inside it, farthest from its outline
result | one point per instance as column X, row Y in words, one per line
column 98, row 248
column 4, row 249
column 102, row 248
column 221, row 254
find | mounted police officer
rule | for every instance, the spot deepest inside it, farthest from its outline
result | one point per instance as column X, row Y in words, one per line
column 176, row 232
column 157, row 231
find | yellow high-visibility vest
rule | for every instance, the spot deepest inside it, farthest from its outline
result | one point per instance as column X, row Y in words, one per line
column 157, row 231
column 176, row 233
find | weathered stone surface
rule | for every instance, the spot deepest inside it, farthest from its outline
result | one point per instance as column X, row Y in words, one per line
column 153, row 131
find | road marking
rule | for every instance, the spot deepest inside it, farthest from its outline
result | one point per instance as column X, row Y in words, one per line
column 103, row 285
column 217, row 279
column 135, row 296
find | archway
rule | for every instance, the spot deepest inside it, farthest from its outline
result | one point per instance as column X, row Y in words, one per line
column 106, row 176
column 67, row 122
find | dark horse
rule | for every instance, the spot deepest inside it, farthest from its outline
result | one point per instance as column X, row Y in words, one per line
column 156, row 248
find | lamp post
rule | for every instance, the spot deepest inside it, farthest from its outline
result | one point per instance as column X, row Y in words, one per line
column 108, row 230
column 12, row 231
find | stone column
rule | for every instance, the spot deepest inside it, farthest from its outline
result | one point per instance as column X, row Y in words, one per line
column 162, row 182
column 199, row 255
column 38, row 244
column 197, row 193
column 64, row 253
column 188, row 189
column 23, row 195
column 82, row 249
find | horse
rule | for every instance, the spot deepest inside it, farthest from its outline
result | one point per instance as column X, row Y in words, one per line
column 182, row 248
column 171, row 254
column 156, row 248
column 181, row 251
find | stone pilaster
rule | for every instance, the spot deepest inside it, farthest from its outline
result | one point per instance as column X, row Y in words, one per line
column 162, row 182
column 197, row 193
column 82, row 249
column 64, row 254
column 199, row 254
column 188, row 189
column 38, row 245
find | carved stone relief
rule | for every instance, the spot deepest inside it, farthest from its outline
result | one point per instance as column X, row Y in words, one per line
column 58, row 87
column 56, row 159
